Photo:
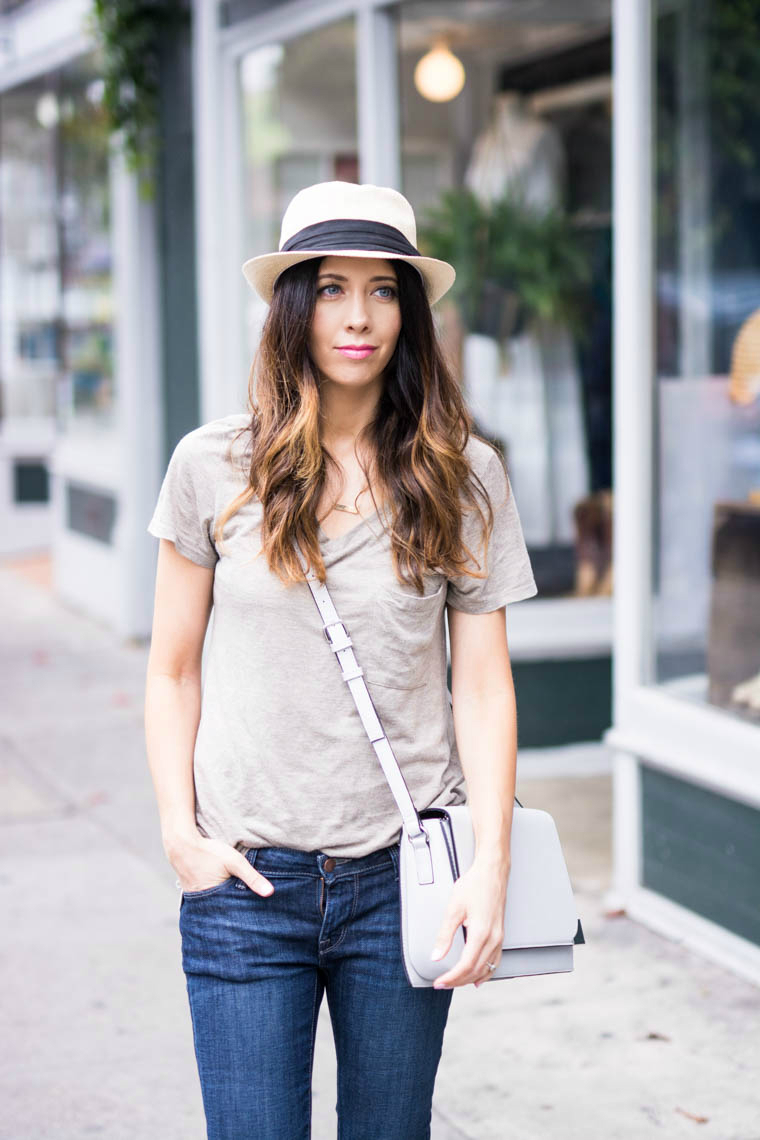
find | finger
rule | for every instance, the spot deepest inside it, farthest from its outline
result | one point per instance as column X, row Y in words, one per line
column 255, row 880
column 471, row 964
column 495, row 957
column 261, row 885
column 445, row 936
column 442, row 944
column 465, row 969
column 487, row 971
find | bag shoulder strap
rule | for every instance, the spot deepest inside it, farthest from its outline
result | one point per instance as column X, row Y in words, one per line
column 340, row 642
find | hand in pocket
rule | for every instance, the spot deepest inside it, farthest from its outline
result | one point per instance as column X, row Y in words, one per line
column 202, row 864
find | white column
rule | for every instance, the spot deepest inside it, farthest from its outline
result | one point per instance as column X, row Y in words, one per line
column 633, row 358
column 633, row 383
column 140, row 414
column 215, row 318
column 378, row 124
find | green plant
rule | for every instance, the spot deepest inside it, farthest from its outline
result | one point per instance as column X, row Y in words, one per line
column 131, row 34
column 514, row 265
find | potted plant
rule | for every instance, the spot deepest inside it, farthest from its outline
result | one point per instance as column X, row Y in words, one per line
column 514, row 265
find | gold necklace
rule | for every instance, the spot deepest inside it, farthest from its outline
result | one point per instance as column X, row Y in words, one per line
column 343, row 507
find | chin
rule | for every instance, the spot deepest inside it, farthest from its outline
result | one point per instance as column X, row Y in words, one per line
column 353, row 373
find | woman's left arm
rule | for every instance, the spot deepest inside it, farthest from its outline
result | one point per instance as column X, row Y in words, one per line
column 485, row 724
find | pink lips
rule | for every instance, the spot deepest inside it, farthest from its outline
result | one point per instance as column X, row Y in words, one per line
column 357, row 353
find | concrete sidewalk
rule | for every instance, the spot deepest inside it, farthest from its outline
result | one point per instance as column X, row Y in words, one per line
column 642, row 1038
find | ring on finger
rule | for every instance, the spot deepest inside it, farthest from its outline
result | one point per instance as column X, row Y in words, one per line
column 490, row 967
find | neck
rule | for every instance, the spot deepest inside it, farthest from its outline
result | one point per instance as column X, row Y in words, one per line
column 345, row 412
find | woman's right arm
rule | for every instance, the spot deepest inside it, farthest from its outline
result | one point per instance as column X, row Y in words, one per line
column 182, row 606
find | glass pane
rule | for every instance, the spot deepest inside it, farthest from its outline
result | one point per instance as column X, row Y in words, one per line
column 707, row 486
column 299, row 122
column 55, row 254
column 510, row 178
column 87, row 293
column 29, row 253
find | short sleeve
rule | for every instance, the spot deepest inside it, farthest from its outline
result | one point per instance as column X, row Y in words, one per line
column 184, row 512
column 509, row 571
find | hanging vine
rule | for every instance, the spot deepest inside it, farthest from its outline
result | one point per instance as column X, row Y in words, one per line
column 131, row 35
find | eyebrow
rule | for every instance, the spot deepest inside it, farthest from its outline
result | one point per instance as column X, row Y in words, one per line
column 340, row 277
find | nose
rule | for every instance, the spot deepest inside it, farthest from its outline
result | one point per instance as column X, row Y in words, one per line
column 356, row 316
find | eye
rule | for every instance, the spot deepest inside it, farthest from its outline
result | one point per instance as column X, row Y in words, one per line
column 390, row 289
column 332, row 285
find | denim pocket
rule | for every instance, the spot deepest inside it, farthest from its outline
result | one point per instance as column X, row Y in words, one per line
column 209, row 890
column 249, row 854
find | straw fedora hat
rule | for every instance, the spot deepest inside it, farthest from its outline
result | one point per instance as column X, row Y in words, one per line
column 347, row 220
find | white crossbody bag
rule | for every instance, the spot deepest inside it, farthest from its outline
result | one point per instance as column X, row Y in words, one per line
column 438, row 845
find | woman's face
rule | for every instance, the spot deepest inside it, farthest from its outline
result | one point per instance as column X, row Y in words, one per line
column 357, row 305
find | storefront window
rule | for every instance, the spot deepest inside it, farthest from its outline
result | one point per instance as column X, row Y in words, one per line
column 56, row 353
column 707, row 397
column 299, row 123
column 506, row 158
column 29, row 255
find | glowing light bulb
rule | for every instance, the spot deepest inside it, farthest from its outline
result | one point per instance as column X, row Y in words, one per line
column 439, row 75
column 47, row 110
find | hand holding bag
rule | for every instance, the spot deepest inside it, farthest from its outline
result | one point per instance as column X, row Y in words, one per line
column 438, row 845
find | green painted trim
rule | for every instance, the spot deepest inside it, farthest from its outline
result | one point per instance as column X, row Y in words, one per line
column 702, row 850
column 561, row 702
column 565, row 701
column 175, row 218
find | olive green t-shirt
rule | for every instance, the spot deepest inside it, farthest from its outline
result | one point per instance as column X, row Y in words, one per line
column 281, row 756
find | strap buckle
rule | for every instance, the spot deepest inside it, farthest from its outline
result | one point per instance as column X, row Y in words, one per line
column 423, row 856
column 340, row 642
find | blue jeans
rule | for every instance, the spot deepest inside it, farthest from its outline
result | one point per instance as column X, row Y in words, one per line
column 256, row 969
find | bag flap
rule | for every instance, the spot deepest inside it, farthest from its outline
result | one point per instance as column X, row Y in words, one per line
column 540, row 908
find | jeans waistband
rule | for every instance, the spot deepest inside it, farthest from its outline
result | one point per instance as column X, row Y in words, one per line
column 318, row 862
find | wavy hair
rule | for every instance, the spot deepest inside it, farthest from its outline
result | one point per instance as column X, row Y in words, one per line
column 415, row 442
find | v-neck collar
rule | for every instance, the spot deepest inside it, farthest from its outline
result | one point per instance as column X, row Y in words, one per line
column 325, row 539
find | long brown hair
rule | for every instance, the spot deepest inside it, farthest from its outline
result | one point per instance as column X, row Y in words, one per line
column 416, row 439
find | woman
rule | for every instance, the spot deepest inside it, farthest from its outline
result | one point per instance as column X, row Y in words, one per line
column 274, row 810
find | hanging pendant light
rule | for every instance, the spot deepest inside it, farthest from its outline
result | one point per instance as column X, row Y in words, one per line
column 47, row 110
column 439, row 75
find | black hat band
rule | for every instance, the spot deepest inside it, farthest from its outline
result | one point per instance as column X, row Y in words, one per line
column 351, row 233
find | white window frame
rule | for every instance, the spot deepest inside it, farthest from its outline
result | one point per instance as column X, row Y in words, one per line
column 219, row 209
column 652, row 726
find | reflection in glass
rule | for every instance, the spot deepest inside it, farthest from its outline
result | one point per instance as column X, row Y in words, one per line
column 299, row 124
column 707, row 487
column 87, row 298
column 29, row 253
column 55, row 253
column 511, row 182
